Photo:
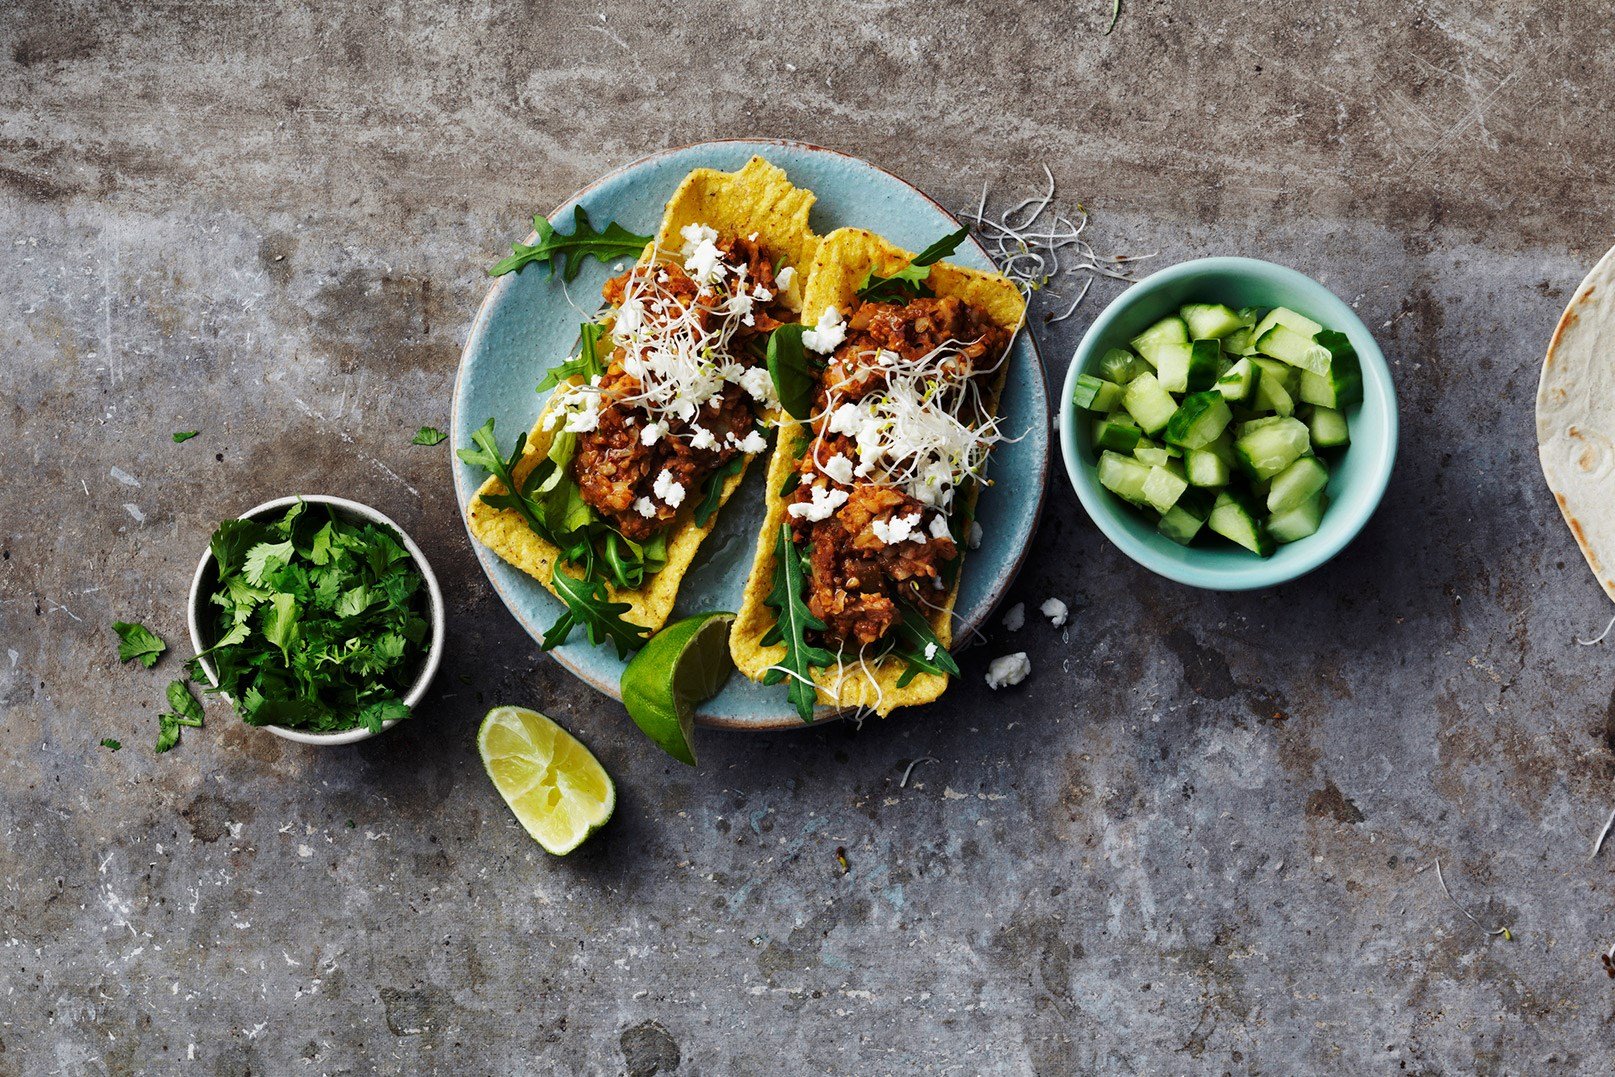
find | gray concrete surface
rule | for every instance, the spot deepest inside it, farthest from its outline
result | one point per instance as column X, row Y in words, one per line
column 1198, row 840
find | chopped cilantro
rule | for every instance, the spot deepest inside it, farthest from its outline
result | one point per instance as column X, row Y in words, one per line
column 184, row 435
column 108, row 742
column 428, row 435
column 136, row 641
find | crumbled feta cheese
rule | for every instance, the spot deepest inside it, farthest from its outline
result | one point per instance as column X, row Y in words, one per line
column 824, row 502
column 839, row 468
column 787, row 286
column 753, row 443
column 668, row 490
column 973, row 536
column 825, row 337
column 939, row 527
column 759, row 385
column 696, row 234
column 577, row 406
column 703, row 261
column 1016, row 617
column 1055, row 611
column 848, row 419
column 1010, row 669
column 651, row 434
column 898, row 529
column 645, row 507
column 703, row 439
column 930, row 650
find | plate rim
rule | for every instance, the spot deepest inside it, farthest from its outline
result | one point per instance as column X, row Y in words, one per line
column 477, row 329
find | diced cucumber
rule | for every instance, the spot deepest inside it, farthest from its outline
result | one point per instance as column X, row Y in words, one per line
column 1296, row 484
column 1239, row 383
column 1203, row 467
column 1152, row 454
column 1271, row 395
column 1180, row 525
column 1149, row 403
column 1274, row 370
column 1205, row 364
column 1199, row 420
column 1169, row 330
column 1123, row 476
column 1283, row 343
column 1117, row 365
column 1209, row 321
column 1240, row 342
column 1299, row 522
column 1163, row 487
column 1256, row 424
column 1117, row 432
column 1269, row 449
column 1328, row 428
column 1096, row 394
column 1223, row 447
column 1342, row 385
column 1172, row 365
column 1296, row 323
column 1233, row 517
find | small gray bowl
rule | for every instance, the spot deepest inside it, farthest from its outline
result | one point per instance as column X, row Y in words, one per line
column 352, row 509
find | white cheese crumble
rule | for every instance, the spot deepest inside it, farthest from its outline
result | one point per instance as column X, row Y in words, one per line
column 752, row 444
column 668, row 490
column 645, row 507
column 930, row 651
column 577, row 405
column 703, row 439
column 759, row 386
column 898, row 529
column 939, row 527
column 787, row 283
column 973, row 536
column 1016, row 617
column 652, row 433
column 839, row 468
column 824, row 502
column 703, row 261
column 1010, row 669
column 825, row 337
column 1055, row 611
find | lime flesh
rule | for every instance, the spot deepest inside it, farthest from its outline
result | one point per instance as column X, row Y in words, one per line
column 555, row 786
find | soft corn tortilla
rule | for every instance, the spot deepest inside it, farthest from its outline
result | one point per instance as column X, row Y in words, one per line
column 843, row 259
column 759, row 200
column 1575, row 419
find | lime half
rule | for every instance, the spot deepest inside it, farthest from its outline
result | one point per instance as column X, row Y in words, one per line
column 554, row 785
column 683, row 664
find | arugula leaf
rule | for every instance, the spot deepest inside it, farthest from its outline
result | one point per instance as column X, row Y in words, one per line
column 588, row 605
column 910, row 637
column 909, row 282
column 569, row 251
column 587, row 362
column 184, row 435
column 795, row 619
column 795, row 375
column 428, row 435
column 108, row 742
column 136, row 641
column 486, row 456
column 712, row 497
column 187, row 709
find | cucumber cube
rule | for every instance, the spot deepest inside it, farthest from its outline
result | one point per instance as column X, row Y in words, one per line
column 1152, row 454
column 1205, row 364
column 1271, row 395
column 1198, row 420
column 1239, row 383
column 1170, row 330
column 1240, row 341
column 1328, row 428
column 1163, row 487
column 1147, row 401
column 1269, row 449
column 1117, row 365
column 1210, row 321
column 1342, row 384
column 1283, row 343
column 1296, row 323
column 1180, row 525
column 1203, row 467
column 1283, row 373
column 1123, row 476
column 1233, row 518
column 1096, row 394
column 1296, row 484
column 1299, row 522
column 1117, row 433
column 1172, row 365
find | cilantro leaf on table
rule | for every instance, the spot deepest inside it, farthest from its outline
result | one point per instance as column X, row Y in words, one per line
column 428, row 435
column 109, row 743
column 184, row 435
column 587, row 362
column 588, row 606
column 909, row 282
column 795, row 620
column 570, row 250
column 137, row 642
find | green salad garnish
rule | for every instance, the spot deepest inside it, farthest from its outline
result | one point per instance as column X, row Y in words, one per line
column 320, row 624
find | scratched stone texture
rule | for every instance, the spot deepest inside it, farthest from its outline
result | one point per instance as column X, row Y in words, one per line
column 1200, row 839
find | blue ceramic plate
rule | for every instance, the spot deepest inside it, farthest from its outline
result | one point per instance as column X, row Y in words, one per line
column 528, row 323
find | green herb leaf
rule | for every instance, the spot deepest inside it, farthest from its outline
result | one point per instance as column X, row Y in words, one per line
column 909, row 282
column 486, row 456
column 795, row 619
column 265, row 558
column 136, row 641
column 796, row 377
column 712, row 496
column 184, row 435
column 910, row 637
column 108, row 742
column 588, row 605
column 569, row 251
column 167, row 732
column 187, row 710
column 428, row 435
column 587, row 362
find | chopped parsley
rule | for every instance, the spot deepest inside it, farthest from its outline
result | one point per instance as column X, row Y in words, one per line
column 184, row 435
column 428, row 435
column 108, row 742
column 554, row 248
column 137, row 642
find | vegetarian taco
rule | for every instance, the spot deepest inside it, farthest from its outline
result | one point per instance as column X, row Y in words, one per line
column 651, row 425
column 874, row 477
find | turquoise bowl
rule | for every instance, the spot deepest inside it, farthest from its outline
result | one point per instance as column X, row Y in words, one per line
column 1358, row 478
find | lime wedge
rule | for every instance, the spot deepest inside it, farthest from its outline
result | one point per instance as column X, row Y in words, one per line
column 554, row 785
column 683, row 664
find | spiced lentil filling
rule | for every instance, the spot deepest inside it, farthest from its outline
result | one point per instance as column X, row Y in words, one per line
column 855, row 577
column 615, row 470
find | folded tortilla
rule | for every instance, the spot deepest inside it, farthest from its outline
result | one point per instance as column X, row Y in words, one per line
column 844, row 258
column 1575, row 419
column 759, row 200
